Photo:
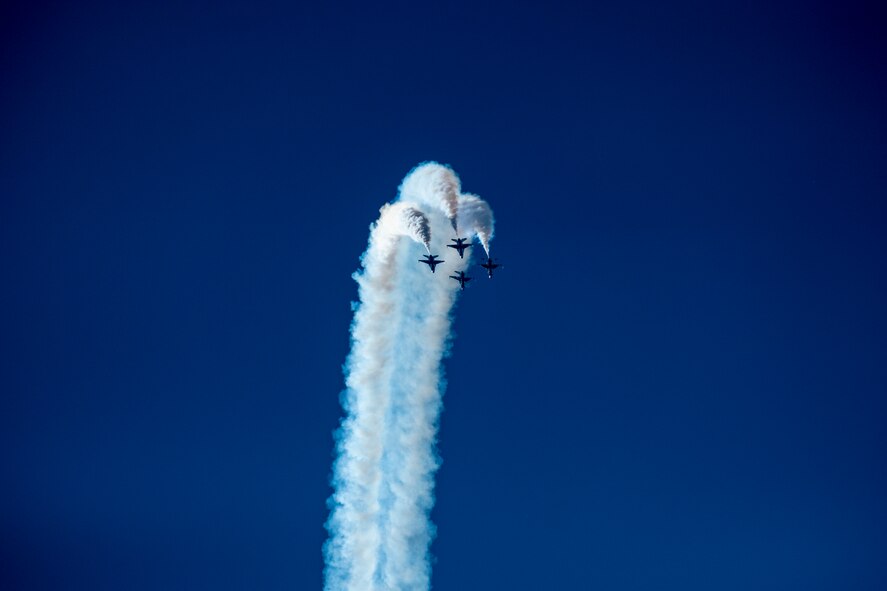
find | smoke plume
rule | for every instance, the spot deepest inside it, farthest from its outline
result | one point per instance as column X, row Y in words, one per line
column 383, row 476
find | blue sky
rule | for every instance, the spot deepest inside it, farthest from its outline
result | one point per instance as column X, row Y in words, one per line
column 676, row 382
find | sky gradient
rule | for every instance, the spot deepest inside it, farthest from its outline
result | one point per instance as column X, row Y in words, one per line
column 677, row 380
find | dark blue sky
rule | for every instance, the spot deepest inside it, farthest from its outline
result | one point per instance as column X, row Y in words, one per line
column 677, row 382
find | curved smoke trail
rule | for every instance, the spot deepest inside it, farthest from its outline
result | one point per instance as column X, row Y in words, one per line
column 476, row 217
column 435, row 186
column 383, row 477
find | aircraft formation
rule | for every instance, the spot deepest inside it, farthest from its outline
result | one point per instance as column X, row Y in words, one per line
column 460, row 244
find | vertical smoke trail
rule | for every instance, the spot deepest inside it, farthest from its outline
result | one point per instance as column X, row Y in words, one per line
column 354, row 553
column 384, row 473
column 415, row 407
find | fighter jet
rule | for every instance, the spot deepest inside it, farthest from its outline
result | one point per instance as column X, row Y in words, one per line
column 489, row 266
column 460, row 246
column 461, row 278
column 431, row 261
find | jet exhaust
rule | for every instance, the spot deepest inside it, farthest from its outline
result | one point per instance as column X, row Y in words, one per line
column 383, row 476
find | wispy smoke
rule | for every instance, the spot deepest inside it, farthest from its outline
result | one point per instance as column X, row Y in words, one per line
column 433, row 185
column 383, row 476
column 476, row 217
column 415, row 225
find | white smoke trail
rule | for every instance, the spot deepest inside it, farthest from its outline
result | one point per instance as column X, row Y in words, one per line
column 476, row 217
column 435, row 186
column 384, row 474
column 355, row 551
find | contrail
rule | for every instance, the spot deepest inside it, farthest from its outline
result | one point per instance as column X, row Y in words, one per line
column 379, row 526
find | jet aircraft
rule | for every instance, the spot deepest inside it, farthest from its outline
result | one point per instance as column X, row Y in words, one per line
column 460, row 246
column 431, row 261
column 489, row 266
column 461, row 278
